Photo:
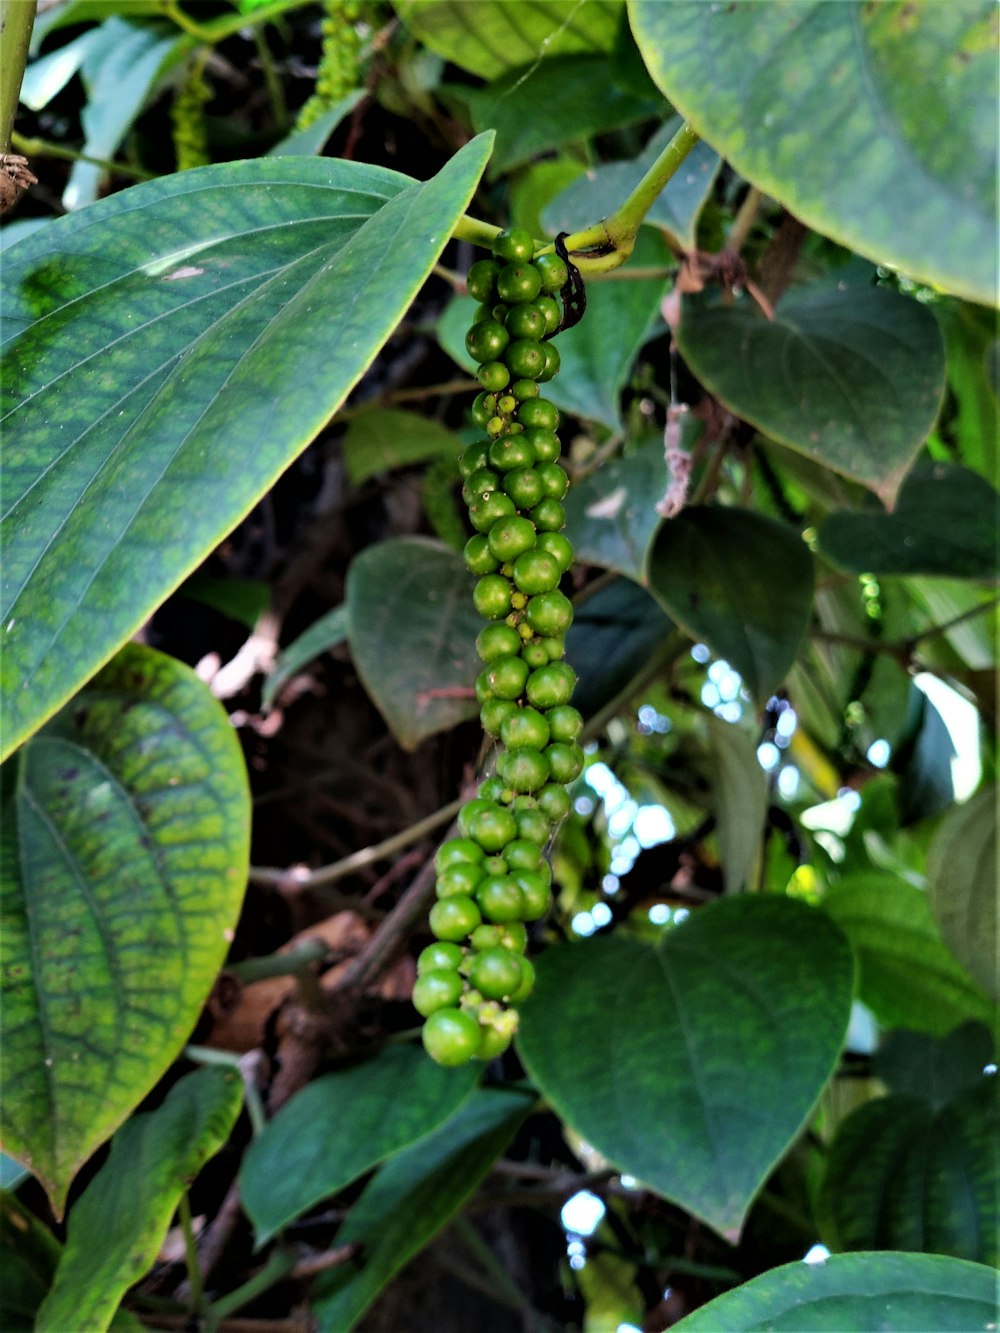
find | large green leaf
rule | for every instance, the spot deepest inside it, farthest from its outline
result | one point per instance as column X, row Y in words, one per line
column 852, row 378
column 901, row 1174
column 412, row 628
column 751, row 983
column 342, row 1125
column 906, row 975
column 169, row 352
column 412, row 1197
column 117, row 1225
column 741, row 582
column 125, row 843
column 602, row 189
column 740, row 797
column 945, row 522
column 598, row 353
column 611, row 515
column 962, row 886
column 580, row 98
column 498, row 36
column 866, row 1293
column 874, row 124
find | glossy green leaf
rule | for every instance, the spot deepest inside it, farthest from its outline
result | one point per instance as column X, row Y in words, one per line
column 906, row 975
column 749, row 983
column 598, row 354
column 611, row 515
column 739, row 581
column 945, row 522
column 740, row 795
column 535, row 187
column 613, row 634
column 851, row 378
column 30, row 1256
column 902, row 1175
column 962, row 886
column 129, row 1203
column 244, row 600
column 322, row 635
column 452, row 328
column 936, row 1069
column 867, row 1293
column 874, row 124
column 412, row 628
column 342, row 1125
column 385, row 438
column 125, row 845
column 604, row 188
column 170, row 350
column 500, row 36
column 410, row 1200
column 580, row 98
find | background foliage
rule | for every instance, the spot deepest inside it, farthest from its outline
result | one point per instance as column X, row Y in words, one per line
column 237, row 666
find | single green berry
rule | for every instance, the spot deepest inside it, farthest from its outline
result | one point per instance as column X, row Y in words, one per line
column 536, row 894
column 536, row 572
column 565, row 723
column 527, row 728
column 545, row 443
column 534, row 652
column 493, row 376
column 493, row 828
column 525, row 321
column 551, row 312
column 522, row 854
column 507, row 677
column 558, row 545
column 555, row 482
column 456, row 852
column 481, row 280
column 513, row 245
column 491, row 789
column 524, row 390
column 554, row 801
column 533, row 826
column 485, row 511
column 484, row 481
column 491, row 598
column 513, row 935
column 469, row 810
column 548, row 516
column 527, row 982
column 488, row 340
column 551, row 367
column 492, row 716
column 519, row 284
column 550, row 685
column 493, row 1043
column 565, row 761
column 454, row 918
column 552, row 271
column 500, row 899
column 525, row 357
column 524, row 770
column 437, row 990
column 539, row 412
column 524, row 487
column 475, row 457
column 498, row 641
column 511, row 453
column 479, row 559
column 486, row 937
column 496, row 973
column 549, row 613
column 511, row 536
column 460, row 878
column 452, row 1037
column 440, row 954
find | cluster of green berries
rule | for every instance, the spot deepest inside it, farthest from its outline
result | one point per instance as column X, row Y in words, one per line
column 338, row 72
column 494, row 877
column 187, row 116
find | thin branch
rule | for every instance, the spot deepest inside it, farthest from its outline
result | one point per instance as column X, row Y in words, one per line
column 44, row 148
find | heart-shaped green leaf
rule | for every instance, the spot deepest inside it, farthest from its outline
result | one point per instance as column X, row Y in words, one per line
column 129, row 1203
column 342, row 1125
column 962, row 886
column 125, row 845
column 602, row 189
column 741, row 582
column 412, row 1197
column 906, row 975
column 945, row 522
column 748, row 983
column 611, row 515
column 901, row 1173
column 867, row 1293
column 873, row 123
column 851, row 378
column 503, row 37
column 936, row 1069
column 412, row 628
column 170, row 350
column 613, row 634
column 384, row 438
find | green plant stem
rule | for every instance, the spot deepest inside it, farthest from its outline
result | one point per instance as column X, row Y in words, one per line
column 16, row 20
column 211, row 34
column 275, row 90
column 43, row 148
column 279, row 1264
column 208, row 1055
column 744, row 220
column 278, row 964
column 380, row 851
column 191, row 1254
